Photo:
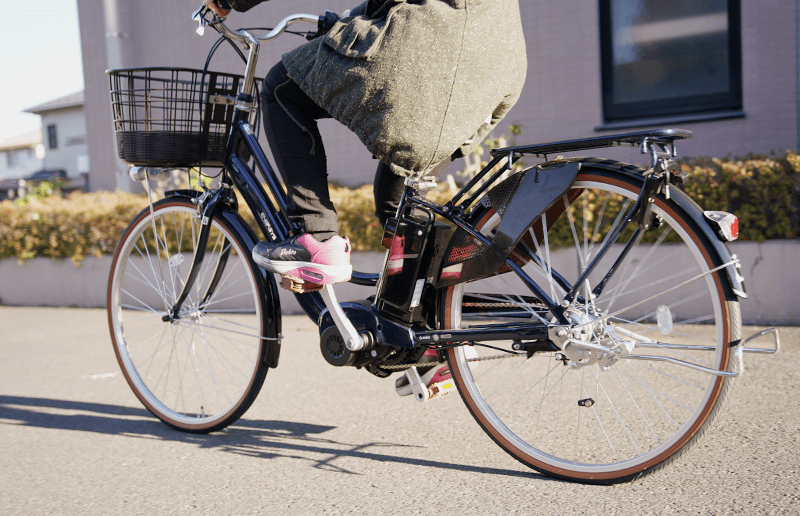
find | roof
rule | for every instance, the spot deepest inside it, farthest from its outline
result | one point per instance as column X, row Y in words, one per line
column 22, row 141
column 67, row 101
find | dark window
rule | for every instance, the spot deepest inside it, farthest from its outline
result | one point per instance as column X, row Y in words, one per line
column 666, row 58
column 52, row 137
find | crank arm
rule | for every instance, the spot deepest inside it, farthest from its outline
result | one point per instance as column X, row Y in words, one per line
column 352, row 339
column 419, row 389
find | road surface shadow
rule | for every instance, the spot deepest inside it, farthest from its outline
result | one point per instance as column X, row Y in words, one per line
column 253, row 438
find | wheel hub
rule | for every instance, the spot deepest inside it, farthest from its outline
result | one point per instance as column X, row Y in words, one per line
column 589, row 340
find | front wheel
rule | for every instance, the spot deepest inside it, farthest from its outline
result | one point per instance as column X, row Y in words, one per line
column 201, row 371
column 570, row 415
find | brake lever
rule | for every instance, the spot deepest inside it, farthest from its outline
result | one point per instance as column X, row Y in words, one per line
column 200, row 17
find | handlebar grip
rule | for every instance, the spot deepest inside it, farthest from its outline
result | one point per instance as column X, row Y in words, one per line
column 325, row 24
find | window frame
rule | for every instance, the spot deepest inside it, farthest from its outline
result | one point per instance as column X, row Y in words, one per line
column 52, row 136
column 693, row 105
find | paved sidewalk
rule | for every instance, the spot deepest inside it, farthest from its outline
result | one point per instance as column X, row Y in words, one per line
column 322, row 440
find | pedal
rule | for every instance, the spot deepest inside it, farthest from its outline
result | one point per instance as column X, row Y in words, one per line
column 424, row 393
column 299, row 286
column 440, row 389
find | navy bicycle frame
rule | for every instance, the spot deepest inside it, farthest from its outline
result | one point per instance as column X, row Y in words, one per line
column 271, row 218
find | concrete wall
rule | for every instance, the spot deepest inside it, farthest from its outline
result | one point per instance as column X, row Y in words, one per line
column 771, row 270
column 561, row 100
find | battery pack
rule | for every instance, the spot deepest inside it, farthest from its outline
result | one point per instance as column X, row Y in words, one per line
column 416, row 246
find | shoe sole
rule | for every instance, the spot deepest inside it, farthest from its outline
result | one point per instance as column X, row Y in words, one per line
column 307, row 271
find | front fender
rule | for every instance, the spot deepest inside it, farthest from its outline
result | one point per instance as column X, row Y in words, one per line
column 271, row 315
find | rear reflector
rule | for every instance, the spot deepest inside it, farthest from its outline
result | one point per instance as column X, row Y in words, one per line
column 725, row 224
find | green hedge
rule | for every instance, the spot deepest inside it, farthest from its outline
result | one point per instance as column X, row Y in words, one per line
column 764, row 192
column 71, row 227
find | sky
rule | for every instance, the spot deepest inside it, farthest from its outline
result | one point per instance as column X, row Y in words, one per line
column 40, row 59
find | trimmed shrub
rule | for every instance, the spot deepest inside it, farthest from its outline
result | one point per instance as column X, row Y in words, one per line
column 72, row 227
column 764, row 192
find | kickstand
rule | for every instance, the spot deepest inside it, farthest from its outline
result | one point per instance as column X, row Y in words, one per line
column 420, row 391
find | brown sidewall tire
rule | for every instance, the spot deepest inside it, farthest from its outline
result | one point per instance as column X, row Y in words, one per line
column 731, row 322
column 259, row 373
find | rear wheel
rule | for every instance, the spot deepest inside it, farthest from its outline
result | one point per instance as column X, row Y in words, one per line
column 201, row 371
column 583, row 415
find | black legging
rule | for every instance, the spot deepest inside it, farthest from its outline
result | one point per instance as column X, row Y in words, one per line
column 290, row 124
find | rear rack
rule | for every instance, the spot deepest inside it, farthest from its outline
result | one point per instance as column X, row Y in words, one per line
column 660, row 137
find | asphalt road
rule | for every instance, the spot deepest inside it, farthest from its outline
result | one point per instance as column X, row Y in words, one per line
column 322, row 440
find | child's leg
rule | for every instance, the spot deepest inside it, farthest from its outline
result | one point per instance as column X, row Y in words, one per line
column 387, row 189
column 290, row 124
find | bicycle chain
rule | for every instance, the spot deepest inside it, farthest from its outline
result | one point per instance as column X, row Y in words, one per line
column 436, row 364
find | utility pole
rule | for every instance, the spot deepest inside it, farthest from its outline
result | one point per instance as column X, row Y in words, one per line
column 114, row 37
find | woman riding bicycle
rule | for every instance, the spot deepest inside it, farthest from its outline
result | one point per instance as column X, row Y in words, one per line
column 421, row 83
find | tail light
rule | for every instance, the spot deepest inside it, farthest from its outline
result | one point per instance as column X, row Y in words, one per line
column 725, row 224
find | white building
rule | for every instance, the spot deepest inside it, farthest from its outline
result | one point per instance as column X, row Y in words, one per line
column 21, row 155
column 64, row 137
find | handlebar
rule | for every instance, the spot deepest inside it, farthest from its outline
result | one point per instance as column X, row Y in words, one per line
column 244, row 36
column 251, row 41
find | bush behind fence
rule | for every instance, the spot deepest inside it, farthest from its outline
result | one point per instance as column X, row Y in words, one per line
column 764, row 192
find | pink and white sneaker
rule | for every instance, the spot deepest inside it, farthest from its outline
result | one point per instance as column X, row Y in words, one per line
column 437, row 379
column 305, row 259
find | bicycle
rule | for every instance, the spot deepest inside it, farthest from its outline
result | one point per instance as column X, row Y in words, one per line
column 555, row 353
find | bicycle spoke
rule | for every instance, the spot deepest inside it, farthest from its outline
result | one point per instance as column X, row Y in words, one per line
column 644, row 418
column 665, row 396
column 596, row 418
column 508, row 410
column 571, row 218
column 195, row 369
column 612, row 417
column 231, row 322
column 143, row 304
column 650, row 391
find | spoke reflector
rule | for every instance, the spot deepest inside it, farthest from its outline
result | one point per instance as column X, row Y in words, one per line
column 664, row 319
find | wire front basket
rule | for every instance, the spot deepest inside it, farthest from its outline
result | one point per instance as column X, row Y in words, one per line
column 172, row 117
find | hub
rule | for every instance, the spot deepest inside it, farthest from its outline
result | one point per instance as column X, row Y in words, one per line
column 590, row 340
